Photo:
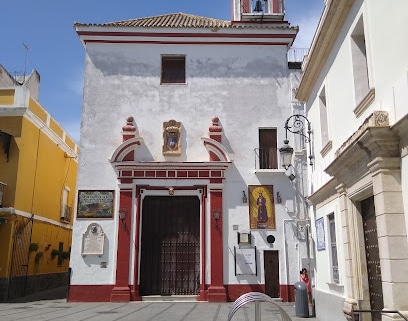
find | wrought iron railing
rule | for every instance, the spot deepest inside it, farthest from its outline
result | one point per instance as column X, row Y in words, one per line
column 297, row 54
column 2, row 187
column 66, row 213
column 266, row 158
column 380, row 312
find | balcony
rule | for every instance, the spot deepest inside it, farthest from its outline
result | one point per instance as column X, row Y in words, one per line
column 2, row 187
column 296, row 57
column 266, row 159
column 297, row 54
column 66, row 213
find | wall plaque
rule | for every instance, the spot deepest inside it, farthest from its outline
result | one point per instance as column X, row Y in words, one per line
column 95, row 204
column 93, row 240
column 172, row 138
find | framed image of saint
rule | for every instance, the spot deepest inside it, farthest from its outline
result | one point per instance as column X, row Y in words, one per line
column 261, row 207
column 172, row 138
column 95, row 204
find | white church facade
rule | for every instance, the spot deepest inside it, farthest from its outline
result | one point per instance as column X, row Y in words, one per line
column 180, row 189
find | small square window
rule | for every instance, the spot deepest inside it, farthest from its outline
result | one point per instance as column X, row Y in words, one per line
column 173, row 70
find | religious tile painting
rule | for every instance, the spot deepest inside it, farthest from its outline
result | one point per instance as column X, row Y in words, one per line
column 261, row 207
column 95, row 204
column 172, row 138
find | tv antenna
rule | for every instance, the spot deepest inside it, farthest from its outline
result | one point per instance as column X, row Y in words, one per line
column 25, row 62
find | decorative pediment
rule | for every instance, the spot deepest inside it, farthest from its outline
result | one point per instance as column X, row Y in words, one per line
column 216, row 149
column 373, row 139
column 126, row 150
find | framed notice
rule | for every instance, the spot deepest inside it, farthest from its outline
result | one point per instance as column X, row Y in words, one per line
column 95, row 204
column 320, row 239
column 261, row 207
column 245, row 261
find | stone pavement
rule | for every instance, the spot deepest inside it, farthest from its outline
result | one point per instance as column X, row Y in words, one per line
column 52, row 305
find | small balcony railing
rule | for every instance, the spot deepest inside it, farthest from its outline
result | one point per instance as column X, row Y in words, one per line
column 66, row 213
column 2, row 187
column 266, row 158
column 297, row 54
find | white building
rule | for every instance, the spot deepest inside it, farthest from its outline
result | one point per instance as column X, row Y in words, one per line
column 181, row 121
column 355, row 86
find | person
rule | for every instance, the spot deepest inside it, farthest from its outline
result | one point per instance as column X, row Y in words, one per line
column 262, row 213
column 304, row 277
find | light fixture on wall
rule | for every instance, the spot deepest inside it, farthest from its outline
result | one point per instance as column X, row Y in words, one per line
column 278, row 198
column 297, row 126
column 244, row 198
column 122, row 216
column 216, row 215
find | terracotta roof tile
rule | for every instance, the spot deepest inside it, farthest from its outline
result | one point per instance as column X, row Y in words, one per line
column 174, row 20
column 184, row 20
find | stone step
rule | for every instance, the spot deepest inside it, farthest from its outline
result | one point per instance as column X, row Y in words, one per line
column 170, row 298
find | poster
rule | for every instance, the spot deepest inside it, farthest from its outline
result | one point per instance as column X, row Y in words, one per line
column 245, row 261
column 320, row 239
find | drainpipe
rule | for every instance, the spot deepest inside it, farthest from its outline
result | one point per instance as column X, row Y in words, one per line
column 286, row 250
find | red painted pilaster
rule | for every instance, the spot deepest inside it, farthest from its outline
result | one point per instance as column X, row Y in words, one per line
column 246, row 6
column 216, row 290
column 121, row 290
column 275, row 6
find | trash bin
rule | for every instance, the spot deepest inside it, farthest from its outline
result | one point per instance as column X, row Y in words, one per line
column 301, row 301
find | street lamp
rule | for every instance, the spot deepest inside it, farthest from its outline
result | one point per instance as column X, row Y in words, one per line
column 286, row 153
column 295, row 124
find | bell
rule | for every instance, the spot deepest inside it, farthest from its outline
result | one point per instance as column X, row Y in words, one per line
column 258, row 6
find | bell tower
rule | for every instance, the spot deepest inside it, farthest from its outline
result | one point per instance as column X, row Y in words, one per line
column 258, row 10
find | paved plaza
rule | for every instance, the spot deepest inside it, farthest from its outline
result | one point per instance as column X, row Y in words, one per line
column 48, row 306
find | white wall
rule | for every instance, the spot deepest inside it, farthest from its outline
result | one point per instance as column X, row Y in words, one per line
column 247, row 87
column 388, row 65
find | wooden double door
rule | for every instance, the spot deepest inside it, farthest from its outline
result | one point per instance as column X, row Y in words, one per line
column 170, row 246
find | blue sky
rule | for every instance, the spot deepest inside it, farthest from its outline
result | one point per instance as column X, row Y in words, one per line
column 55, row 51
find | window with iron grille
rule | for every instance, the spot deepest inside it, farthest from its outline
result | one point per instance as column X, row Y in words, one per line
column 333, row 248
column 173, row 70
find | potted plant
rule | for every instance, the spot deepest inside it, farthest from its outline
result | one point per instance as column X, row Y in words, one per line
column 38, row 257
column 54, row 253
column 33, row 247
column 65, row 255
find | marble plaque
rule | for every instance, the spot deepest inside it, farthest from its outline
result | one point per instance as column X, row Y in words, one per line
column 93, row 240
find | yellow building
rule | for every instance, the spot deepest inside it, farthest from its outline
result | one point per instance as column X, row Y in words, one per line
column 38, row 169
